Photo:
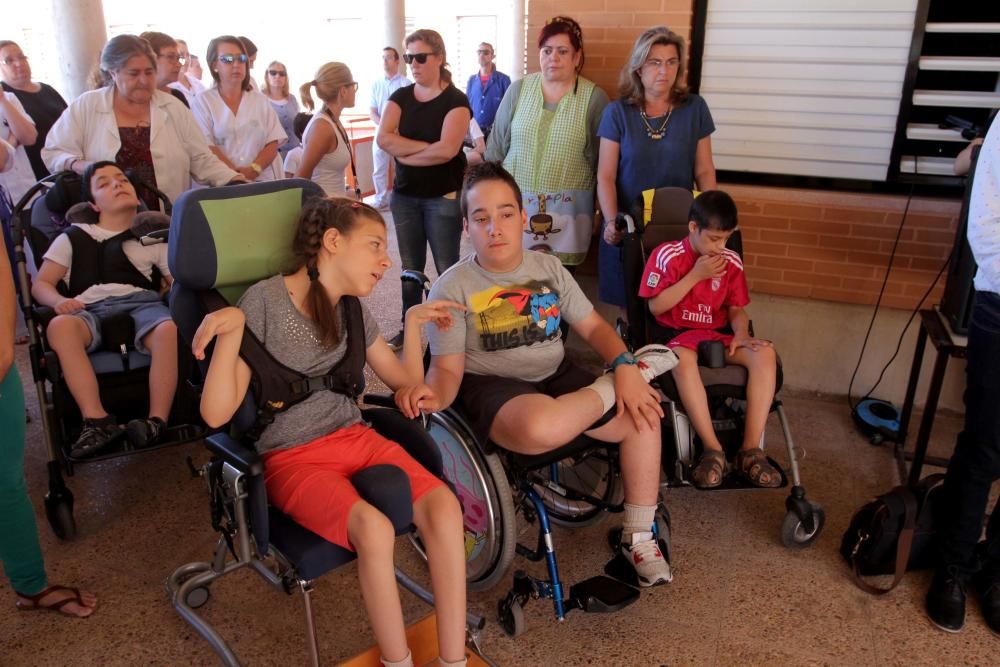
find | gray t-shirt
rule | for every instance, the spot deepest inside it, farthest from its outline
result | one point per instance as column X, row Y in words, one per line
column 292, row 339
column 511, row 327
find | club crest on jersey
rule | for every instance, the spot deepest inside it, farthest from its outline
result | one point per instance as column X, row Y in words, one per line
column 716, row 284
column 653, row 280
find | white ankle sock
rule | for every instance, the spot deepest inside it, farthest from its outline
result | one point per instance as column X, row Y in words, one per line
column 605, row 388
column 405, row 662
column 638, row 519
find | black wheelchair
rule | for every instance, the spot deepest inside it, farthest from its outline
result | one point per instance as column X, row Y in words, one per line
column 575, row 485
column 662, row 215
column 122, row 372
column 222, row 240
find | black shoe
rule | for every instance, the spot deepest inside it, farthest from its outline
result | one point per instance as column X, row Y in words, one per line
column 946, row 601
column 396, row 342
column 145, row 432
column 95, row 437
column 989, row 594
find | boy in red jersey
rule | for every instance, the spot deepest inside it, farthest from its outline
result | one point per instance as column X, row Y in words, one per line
column 696, row 289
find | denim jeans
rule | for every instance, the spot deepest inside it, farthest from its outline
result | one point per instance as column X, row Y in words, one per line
column 423, row 220
column 976, row 461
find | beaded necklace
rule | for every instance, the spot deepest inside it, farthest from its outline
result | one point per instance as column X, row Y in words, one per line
column 656, row 134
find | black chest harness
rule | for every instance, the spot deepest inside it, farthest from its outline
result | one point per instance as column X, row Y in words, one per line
column 276, row 387
column 99, row 262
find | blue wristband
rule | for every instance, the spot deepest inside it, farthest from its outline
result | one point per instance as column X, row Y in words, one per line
column 624, row 358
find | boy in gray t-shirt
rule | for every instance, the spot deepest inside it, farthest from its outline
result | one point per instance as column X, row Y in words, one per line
column 504, row 366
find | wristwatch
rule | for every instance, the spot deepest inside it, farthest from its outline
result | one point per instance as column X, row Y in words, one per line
column 626, row 358
column 256, row 167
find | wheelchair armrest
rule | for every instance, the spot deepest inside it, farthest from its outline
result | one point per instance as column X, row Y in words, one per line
column 235, row 453
column 43, row 315
column 380, row 400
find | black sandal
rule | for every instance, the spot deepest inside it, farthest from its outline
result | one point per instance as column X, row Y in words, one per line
column 710, row 469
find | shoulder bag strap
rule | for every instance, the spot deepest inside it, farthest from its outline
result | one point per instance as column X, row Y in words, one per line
column 903, row 548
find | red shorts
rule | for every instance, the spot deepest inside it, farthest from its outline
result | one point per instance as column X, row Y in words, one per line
column 692, row 337
column 311, row 483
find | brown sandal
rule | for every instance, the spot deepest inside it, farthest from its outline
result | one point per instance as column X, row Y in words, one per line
column 755, row 467
column 33, row 602
column 710, row 469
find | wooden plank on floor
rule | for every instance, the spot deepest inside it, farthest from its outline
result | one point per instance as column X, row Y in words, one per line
column 421, row 637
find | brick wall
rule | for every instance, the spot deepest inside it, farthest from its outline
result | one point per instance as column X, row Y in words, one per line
column 803, row 243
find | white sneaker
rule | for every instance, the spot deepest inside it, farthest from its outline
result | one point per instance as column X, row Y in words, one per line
column 643, row 553
column 655, row 360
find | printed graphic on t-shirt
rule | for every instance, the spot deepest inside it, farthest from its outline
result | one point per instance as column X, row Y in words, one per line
column 515, row 316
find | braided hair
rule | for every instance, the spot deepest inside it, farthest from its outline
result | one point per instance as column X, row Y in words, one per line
column 316, row 217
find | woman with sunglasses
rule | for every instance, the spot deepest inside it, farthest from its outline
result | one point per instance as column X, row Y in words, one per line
column 656, row 134
column 326, row 148
column 132, row 123
column 423, row 127
column 241, row 127
column 168, row 63
column 40, row 101
column 284, row 104
column 545, row 132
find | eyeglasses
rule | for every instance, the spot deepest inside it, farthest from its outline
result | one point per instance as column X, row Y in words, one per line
column 13, row 60
column 230, row 58
column 657, row 64
column 354, row 85
column 421, row 58
column 484, row 52
column 277, row 72
column 173, row 58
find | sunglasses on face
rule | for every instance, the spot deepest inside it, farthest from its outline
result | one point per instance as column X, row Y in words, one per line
column 421, row 58
column 230, row 58
column 277, row 72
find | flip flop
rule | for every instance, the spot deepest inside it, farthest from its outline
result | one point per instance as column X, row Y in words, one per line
column 33, row 602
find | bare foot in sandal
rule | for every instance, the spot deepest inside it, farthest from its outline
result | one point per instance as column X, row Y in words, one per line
column 711, row 467
column 63, row 599
column 755, row 467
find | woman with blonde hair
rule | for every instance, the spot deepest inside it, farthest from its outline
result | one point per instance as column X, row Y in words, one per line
column 241, row 127
column 657, row 134
column 326, row 148
column 423, row 127
column 275, row 88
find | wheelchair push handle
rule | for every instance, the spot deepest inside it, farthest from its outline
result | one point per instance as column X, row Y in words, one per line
column 625, row 223
column 418, row 277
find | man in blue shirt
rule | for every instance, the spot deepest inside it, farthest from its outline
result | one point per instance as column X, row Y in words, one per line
column 486, row 89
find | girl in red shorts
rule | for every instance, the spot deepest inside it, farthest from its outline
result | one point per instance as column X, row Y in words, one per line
column 312, row 449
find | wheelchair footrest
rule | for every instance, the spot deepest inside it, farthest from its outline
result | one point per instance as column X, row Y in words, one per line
column 735, row 480
column 602, row 594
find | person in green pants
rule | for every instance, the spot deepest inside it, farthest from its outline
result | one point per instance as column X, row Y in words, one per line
column 20, row 552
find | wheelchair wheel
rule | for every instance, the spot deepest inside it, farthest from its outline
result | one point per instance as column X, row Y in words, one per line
column 794, row 535
column 511, row 618
column 197, row 597
column 594, row 475
column 487, row 503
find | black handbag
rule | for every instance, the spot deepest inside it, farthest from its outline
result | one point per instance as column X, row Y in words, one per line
column 892, row 534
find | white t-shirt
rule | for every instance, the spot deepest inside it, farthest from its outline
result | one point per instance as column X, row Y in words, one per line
column 197, row 87
column 18, row 177
column 292, row 160
column 383, row 88
column 142, row 258
column 241, row 137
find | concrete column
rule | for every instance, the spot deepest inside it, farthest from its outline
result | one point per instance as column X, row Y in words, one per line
column 80, row 34
column 517, row 42
column 394, row 23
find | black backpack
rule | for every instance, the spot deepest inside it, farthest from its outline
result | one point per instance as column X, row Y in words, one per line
column 892, row 534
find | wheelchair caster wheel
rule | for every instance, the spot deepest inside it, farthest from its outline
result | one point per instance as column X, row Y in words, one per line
column 60, row 516
column 197, row 597
column 511, row 617
column 795, row 535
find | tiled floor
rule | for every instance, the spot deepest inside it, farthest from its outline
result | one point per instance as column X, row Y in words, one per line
column 738, row 596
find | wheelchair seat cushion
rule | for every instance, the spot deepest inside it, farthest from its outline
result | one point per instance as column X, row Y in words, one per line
column 727, row 382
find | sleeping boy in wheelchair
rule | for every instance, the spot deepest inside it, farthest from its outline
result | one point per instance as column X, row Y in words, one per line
column 503, row 363
column 97, row 269
column 696, row 290
column 312, row 448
